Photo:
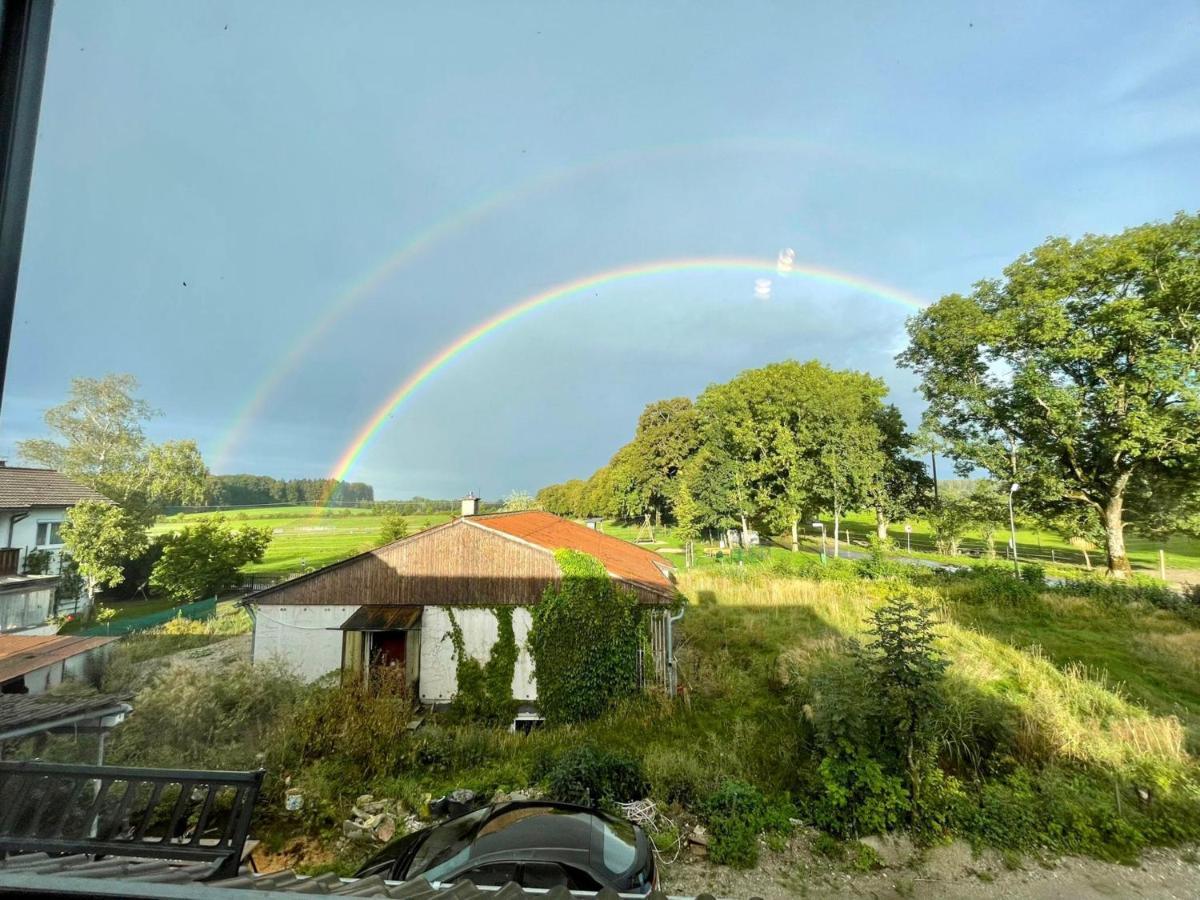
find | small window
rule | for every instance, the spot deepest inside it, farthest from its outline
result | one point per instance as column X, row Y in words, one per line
column 48, row 534
column 542, row 875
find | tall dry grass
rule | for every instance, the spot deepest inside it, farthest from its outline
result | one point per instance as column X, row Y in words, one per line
column 1069, row 713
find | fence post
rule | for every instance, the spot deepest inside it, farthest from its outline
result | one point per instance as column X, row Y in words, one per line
column 1052, row 559
column 1162, row 564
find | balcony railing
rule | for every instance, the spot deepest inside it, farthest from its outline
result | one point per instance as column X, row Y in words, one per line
column 115, row 811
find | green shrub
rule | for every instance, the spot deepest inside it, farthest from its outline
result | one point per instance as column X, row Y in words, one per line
column 807, row 565
column 584, row 641
column 856, row 796
column 590, row 776
column 736, row 813
column 1138, row 589
column 995, row 584
column 1034, row 574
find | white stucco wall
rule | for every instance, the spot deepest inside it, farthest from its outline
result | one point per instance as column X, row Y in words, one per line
column 299, row 636
column 24, row 532
column 439, row 680
column 41, row 680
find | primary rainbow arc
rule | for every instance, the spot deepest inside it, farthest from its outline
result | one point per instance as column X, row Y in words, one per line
column 561, row 291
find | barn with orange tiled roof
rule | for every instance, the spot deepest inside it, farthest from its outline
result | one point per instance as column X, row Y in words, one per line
column 398, row 604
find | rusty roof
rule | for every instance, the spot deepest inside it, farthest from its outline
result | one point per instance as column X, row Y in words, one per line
column 621, row 559
column 21, row 654
column 22, row 488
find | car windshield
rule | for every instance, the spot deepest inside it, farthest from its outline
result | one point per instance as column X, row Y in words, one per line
column 447, row 846
column 619, row 843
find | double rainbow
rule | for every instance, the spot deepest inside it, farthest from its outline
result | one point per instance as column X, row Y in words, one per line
column 578, row 286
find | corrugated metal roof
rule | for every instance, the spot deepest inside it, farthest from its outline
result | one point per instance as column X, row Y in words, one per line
column 383, row 618
column 24, row 710
column 21, row 654
column 121, row 876
column 622, row 559
column 22, row 488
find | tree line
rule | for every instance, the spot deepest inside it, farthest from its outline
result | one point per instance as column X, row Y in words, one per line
column 256, row 490
column 774, row 446
column 1073, row 380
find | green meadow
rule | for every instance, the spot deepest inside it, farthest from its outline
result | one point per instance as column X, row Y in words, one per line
column 304, row 537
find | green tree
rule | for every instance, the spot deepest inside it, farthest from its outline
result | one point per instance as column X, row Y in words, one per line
column 100, row 441
column 1076, row 373
column 988, row 509
column 901, row 487
column 516, row 501
column 100, row 538
column 583, row 641
column 950, row 517
column 687, row 513
column 647, row 468
column 392, row 528
column 205, row 559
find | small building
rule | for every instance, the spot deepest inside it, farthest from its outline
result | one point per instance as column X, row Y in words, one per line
column 398, row 604
column 33, row 506
column 33, row 664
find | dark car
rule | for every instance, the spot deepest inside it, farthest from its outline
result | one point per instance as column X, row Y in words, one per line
column 535, row 844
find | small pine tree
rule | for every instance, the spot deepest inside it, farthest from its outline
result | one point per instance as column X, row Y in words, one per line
column 905, row 672
column 392, row 528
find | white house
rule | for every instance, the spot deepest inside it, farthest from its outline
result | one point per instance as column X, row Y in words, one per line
column 33, row 506
column 400, row 604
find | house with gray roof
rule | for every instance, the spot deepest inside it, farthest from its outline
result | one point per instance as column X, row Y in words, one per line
column 33, row 507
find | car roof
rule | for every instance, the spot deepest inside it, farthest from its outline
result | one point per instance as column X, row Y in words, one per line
column 556, row 832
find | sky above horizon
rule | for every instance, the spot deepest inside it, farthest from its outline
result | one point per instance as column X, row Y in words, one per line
column 275, row 213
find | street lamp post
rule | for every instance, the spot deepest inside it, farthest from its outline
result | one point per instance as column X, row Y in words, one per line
column 1012, row 529
column 821, row 525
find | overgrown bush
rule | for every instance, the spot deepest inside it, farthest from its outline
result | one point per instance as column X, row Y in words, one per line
column 736, row 813
column 857, row 797
column 195, row 718
column 807, row 565
column 994, row 583
column 1034, row 574
column 584, row 641
column 361, row 723
column 1138, row 589
column 590, row 776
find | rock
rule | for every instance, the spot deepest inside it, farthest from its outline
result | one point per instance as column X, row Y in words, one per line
column 385, row 830
column 375, row 806
column 893, row 851
column 463, row 796
column 353, row 830
column 356, row 813
column 372, row 822
column 363, row 800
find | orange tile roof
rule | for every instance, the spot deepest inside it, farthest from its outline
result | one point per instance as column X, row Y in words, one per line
column 21, row 654
column 622, row 559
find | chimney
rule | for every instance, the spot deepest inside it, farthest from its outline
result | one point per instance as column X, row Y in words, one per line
column 470, row 505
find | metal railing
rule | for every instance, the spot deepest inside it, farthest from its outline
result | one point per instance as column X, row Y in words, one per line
column 177, row 814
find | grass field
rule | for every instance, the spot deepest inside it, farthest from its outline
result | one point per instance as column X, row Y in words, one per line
column 302, row 538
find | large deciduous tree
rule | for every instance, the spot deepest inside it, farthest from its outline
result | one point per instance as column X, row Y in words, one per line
column 205, row 559
column 101, row 538
column 1077, row 373
column 99, row 440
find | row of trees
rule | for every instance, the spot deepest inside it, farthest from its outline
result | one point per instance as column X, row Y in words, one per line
column 254, row 490
column 1076, row 375
column 776, row 445
column 99, row 440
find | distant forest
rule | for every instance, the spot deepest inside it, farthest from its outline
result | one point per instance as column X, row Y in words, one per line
column 252, row 490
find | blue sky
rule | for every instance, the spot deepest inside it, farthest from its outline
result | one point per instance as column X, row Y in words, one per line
column 273, row 155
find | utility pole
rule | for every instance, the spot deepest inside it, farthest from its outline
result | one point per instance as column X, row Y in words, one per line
column 933, row 463
column 1012, row 529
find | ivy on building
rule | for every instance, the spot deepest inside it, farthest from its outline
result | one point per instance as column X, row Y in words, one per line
column 484, row 691
column 584, row 641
